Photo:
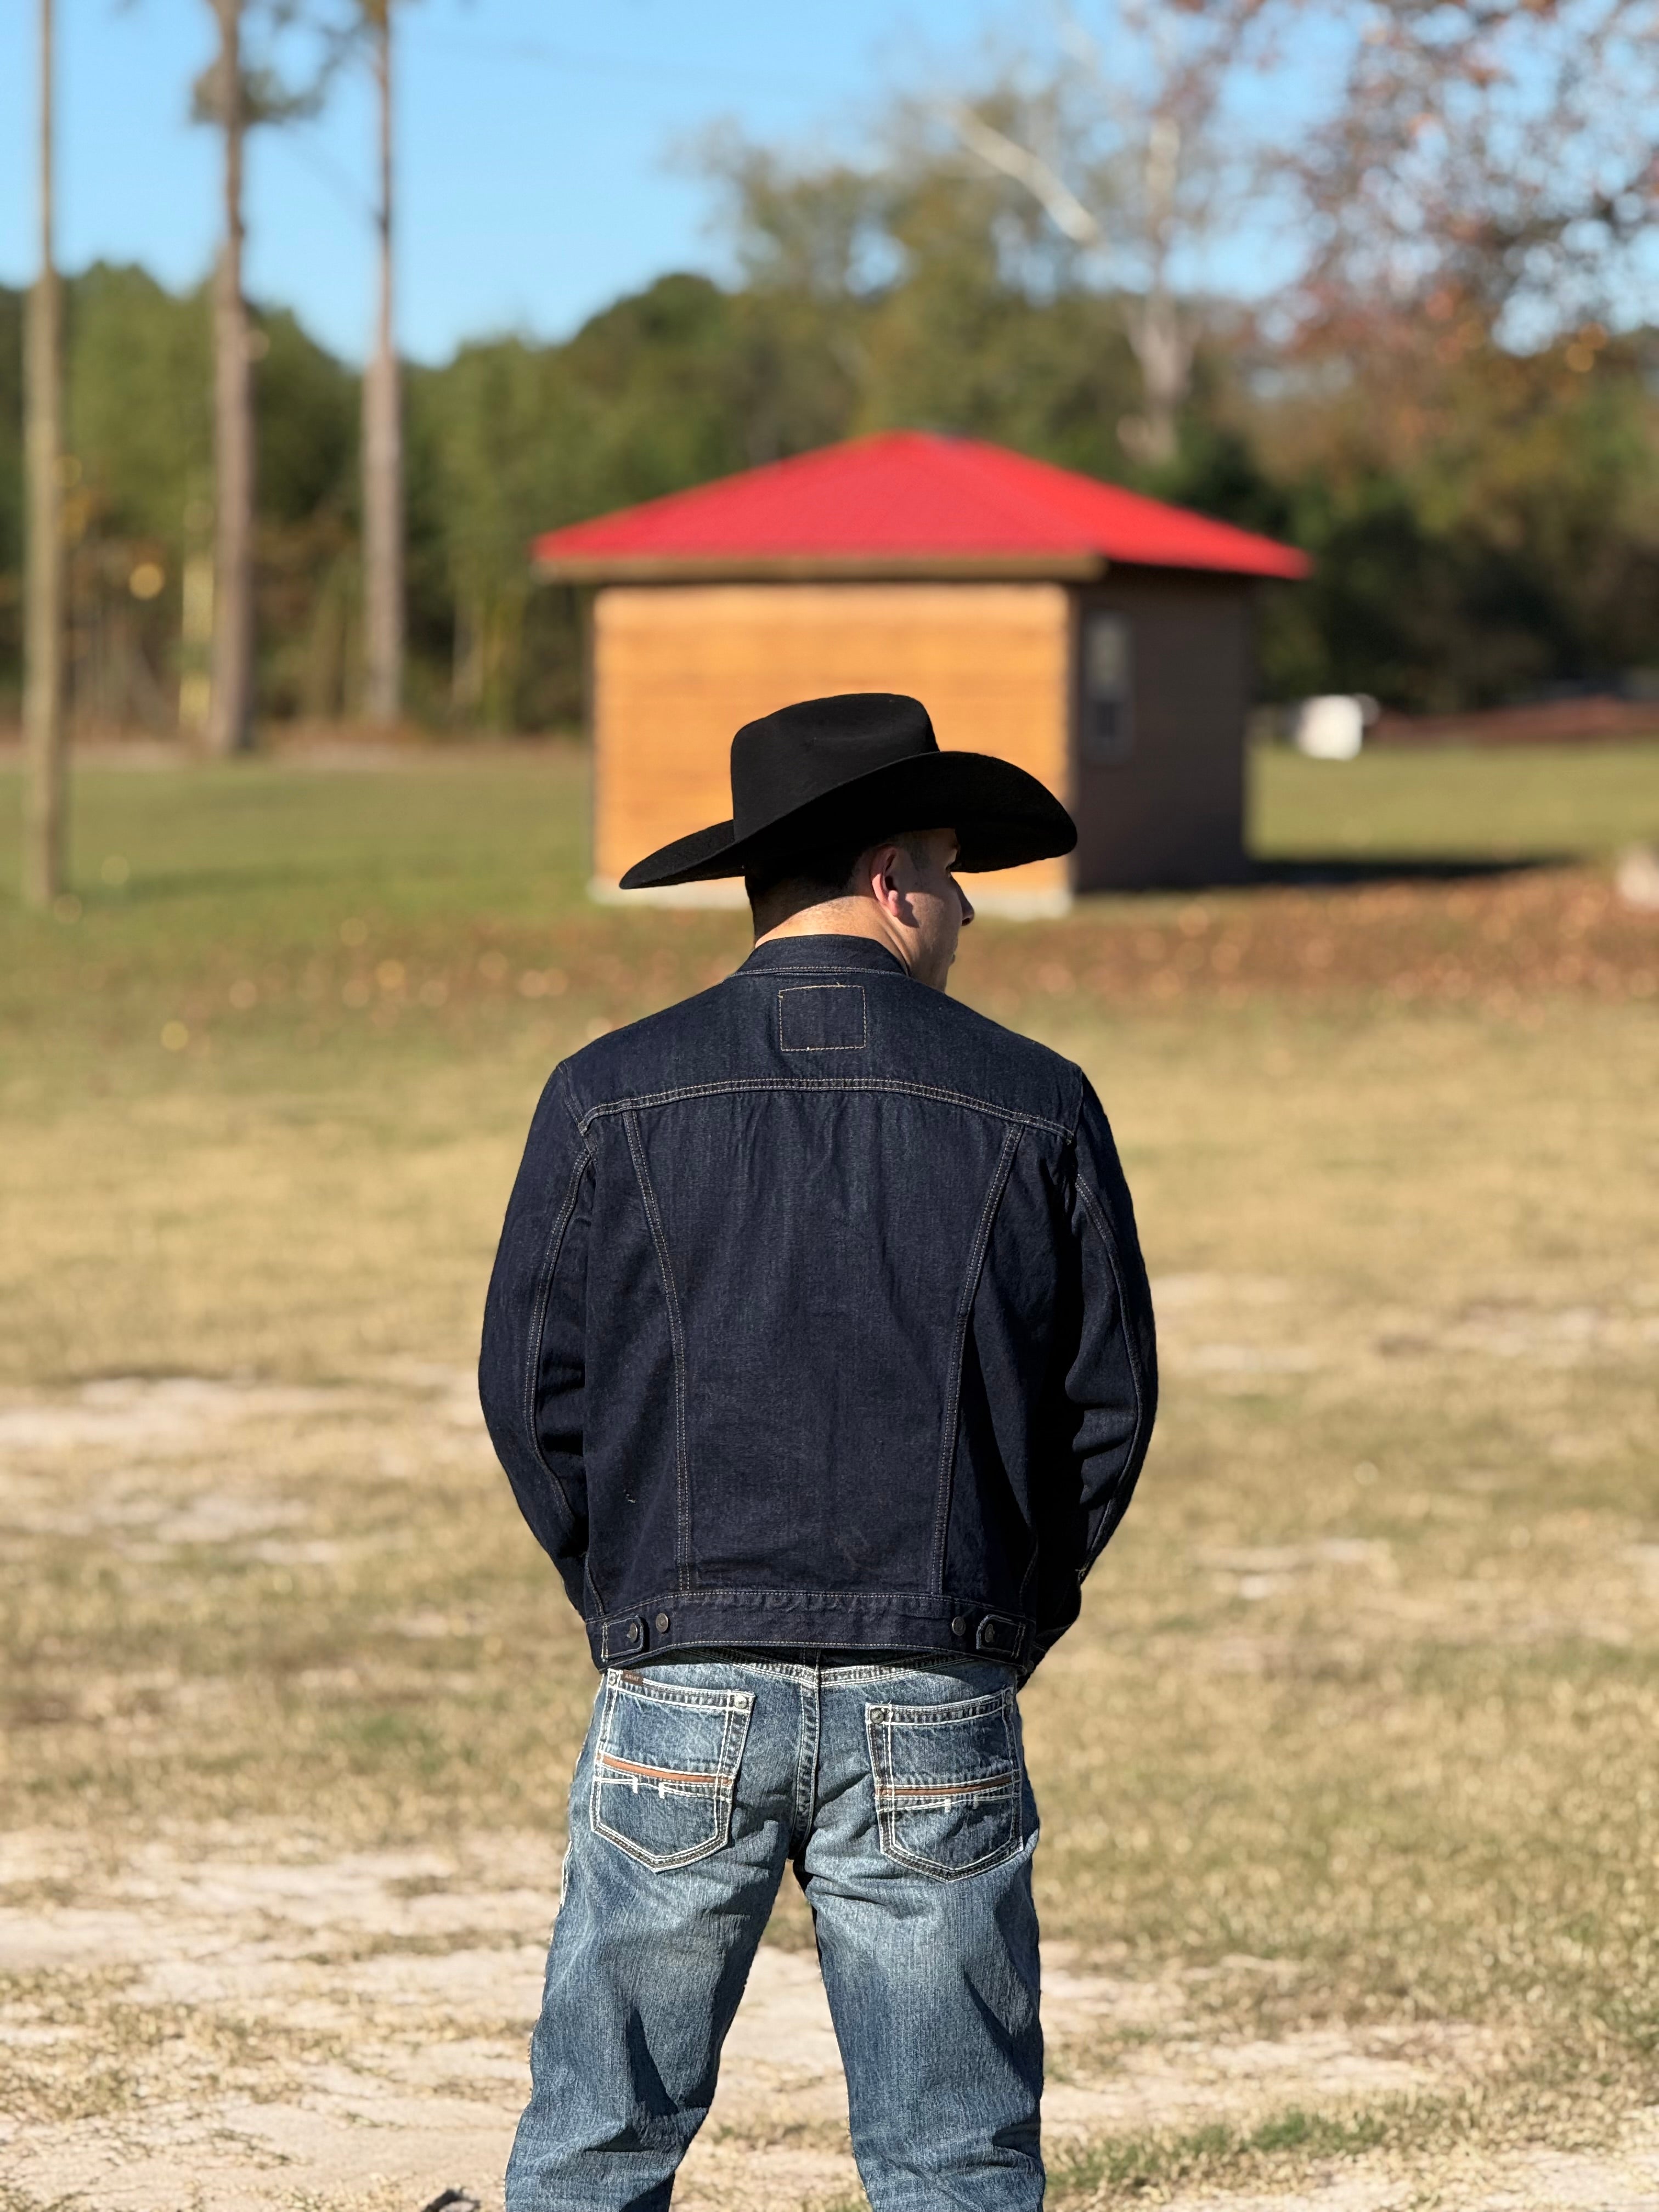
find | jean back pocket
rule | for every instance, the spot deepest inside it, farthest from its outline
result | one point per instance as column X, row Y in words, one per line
column 666, row 1768
column 947, row 1784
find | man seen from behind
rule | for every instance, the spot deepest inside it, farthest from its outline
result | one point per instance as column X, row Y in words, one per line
column 820, row 1356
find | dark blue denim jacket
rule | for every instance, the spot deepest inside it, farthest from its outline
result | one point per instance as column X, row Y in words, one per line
column 819, row 1320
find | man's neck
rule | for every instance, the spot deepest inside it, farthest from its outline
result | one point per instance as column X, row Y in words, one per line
column 844, row 917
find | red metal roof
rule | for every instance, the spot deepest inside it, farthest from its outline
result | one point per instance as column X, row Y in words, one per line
column 905, row 502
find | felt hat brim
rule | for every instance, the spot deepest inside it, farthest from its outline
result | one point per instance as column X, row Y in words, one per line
column 1001, row 815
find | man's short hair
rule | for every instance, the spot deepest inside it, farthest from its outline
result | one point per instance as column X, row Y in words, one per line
column 828, row 869
column 825, row 872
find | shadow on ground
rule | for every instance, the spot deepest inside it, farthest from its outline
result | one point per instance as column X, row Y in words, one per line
column 1375, row 868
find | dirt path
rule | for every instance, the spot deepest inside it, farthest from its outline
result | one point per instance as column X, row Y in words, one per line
column 286, row 2033
column 245, row 2016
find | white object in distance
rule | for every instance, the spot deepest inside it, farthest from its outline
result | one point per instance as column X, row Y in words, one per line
column 1635, row 878
column 1331, row 727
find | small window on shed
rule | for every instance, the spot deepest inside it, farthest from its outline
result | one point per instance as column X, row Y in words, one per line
column 1106, row 736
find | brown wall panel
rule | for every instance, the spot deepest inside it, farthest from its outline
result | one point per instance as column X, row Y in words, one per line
column 1172, row 811
column 678, row 668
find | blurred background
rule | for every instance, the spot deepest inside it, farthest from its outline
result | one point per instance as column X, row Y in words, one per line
column 1351, row 1877
column 1377, row 279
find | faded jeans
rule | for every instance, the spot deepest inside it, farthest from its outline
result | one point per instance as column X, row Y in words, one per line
column 899, row 1792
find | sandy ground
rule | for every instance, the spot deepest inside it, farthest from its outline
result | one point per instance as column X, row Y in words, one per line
column 280, row 2027
column 350, row 2033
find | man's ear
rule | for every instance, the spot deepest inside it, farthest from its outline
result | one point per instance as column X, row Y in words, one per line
column 883, row 868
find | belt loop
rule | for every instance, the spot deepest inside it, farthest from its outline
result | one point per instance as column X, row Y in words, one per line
column 999, row 1635
column 621, row 1639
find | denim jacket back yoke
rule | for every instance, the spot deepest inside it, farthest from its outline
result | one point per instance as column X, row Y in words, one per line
column 819, row 1320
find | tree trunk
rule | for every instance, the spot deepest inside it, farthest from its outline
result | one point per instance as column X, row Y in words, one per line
column 383, row 455
column 230, row 702
column 43, row 642
column 1164, row 353
column 195, row 625
column 1157, row 331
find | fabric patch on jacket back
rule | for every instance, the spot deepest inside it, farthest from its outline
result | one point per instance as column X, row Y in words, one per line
column 822, row 1017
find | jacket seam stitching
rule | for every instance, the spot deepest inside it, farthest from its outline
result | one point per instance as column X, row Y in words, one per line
column 1095, row 1212
column 894, row 1086
column 538, row 1324
column 950, row 1425
column 863, row 1044
column 748, row 974
column 712, row 1593
column 677, row 1342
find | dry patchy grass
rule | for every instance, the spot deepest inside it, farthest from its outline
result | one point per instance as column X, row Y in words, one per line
column 1351, row 1865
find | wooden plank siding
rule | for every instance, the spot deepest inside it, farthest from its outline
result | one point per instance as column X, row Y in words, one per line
column 676, row 668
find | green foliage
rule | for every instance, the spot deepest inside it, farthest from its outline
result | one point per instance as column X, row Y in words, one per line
column 1475, row 540
column 139, row 416
column 139, row 439
column 308, row 421
column 679, row 383
column 1482, row 525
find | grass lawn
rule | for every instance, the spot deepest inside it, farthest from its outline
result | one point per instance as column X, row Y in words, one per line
column 1475, row 801
column 1351, row 1861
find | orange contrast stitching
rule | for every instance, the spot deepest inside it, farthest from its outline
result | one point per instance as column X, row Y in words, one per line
column 651, row 1773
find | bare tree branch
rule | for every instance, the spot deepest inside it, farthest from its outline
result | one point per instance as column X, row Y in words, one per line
column 1494, row 154
column 998, row 151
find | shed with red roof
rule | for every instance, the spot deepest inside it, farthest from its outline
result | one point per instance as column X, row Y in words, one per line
column 1098, row 638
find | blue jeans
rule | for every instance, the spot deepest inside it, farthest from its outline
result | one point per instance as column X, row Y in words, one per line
column 899, row 1792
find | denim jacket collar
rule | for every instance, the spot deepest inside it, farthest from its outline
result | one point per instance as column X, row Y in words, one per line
column 820, row 952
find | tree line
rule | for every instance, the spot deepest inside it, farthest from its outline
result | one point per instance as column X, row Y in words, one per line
column 242, row 87
column 1448, row 399
column 1483, row 528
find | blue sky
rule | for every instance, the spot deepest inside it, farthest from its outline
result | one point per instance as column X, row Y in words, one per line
column 535, row 164
column 537, row 167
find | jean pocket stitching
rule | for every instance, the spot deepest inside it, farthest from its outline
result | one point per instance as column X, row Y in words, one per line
column 717, row 1787
column 972, row 1785
column 894, row 1796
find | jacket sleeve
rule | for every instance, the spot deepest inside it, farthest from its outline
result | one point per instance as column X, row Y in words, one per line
column 1109, row 1388
column 531, row 1362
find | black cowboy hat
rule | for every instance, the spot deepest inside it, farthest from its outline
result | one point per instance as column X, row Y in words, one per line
column 860, row 765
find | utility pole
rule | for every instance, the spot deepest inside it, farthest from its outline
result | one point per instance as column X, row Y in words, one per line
column 45, row 812
column 230, row 702
column 382, row 435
